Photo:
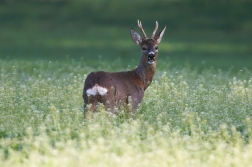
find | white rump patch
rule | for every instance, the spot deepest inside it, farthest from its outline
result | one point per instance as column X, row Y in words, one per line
column 96, row 90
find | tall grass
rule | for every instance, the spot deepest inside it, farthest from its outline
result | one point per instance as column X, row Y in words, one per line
column 197, row 111
column 189, row 117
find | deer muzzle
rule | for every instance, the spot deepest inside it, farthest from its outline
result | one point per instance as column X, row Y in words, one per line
column 151, row 58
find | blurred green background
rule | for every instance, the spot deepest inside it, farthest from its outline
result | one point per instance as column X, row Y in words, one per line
column 200, row 33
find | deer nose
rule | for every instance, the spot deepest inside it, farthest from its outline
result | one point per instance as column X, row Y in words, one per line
column 151, row 55
column 151, row 58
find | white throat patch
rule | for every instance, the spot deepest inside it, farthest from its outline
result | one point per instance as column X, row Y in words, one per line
column 96, row 90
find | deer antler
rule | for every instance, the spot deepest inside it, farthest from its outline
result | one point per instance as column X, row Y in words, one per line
column 141, row 28
column 154, row 32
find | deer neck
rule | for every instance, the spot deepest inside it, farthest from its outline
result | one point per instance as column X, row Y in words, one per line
column 145, row 72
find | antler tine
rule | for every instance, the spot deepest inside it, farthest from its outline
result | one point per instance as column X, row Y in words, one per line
column 141, row 28
column 154, row 32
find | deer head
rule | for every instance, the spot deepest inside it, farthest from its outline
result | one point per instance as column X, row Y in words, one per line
column 149, row 46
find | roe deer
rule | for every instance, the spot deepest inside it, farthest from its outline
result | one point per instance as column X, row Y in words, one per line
column 120, row 88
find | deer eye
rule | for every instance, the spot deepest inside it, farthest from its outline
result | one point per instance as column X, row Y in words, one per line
column 144, row 48
column 156, row 48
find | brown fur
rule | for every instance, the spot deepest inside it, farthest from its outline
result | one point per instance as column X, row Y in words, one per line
column 128, row 84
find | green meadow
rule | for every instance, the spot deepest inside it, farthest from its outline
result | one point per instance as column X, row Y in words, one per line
column 196, row 112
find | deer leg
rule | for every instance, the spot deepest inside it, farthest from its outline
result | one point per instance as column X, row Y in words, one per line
column 93, row 107
column 93, row 100
column 108, row 104
column 85, row 110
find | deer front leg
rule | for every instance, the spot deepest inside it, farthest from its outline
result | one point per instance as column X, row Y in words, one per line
column 136, row 99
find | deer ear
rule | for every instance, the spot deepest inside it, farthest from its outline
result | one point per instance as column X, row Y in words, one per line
column 135, row 37
column 159, row 36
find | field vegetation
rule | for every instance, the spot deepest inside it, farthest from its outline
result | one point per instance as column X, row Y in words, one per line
column 197, row 111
